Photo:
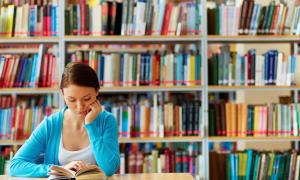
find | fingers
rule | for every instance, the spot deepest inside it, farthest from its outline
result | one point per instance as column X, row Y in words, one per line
column 96, row 104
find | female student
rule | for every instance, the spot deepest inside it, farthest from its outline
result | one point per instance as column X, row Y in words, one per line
column 79, row 134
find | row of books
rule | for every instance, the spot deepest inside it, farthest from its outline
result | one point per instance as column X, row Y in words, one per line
column 251, row 164
column 30, row 2
column 133, row 17
column 148, row 117
column 165, row 159
column 31, row 70
column 241, row 119
column 272, row 68
column 29, row 20
column 253, row 18
column 22, row 115
column 143, row 69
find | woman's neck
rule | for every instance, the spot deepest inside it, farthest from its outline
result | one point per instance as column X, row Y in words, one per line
column 74, row 120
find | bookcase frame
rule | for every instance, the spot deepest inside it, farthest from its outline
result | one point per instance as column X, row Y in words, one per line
column 202, row 42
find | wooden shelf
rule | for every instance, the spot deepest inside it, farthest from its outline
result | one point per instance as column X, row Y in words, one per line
column 150, row 89
column 254, row 139
column 254, row 39
column 161, row 139
column 28, row 90
column 250, row 88
column 127, row 140
column 130, row 39
column 29, row 40
column 11, row 142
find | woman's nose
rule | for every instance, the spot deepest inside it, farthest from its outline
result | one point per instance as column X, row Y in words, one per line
column 80, row 105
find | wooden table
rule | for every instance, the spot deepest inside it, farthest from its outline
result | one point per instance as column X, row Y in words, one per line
column 146, row 176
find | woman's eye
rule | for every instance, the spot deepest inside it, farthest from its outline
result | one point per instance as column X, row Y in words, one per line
column 87, row 99
column 71, row 100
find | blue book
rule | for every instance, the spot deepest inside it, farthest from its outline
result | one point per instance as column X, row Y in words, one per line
column 53, row 20
column 249, row 163
column 198, row 69
column 266, row 74
column 101, row 68
column 28, row 72
column 33, row 72
column 185, row 61
column 243, row 70
column 256, row 166
column 271, row 66
column 122, row 68
column 124, row 121
column 32, row 17
column 23, row 73
column 179, row 68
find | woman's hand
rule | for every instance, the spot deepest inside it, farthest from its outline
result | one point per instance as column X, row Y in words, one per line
column 75, row 165
column 95, row 109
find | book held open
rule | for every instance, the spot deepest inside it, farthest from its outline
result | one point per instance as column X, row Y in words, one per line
column 87, row 172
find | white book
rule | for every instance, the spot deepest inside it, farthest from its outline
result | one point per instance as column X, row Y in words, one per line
column 122, row 163
column 297, row 70
column 294, row 119
column 253, row 18
column 284, row 70
column 161, row 15
column 297, row 172
column 279, row 69
column 279, row 20
column 289, row 71
column 161, row 122
column 107, row 76
column 258, row 70
column 173, row 20
column 289, row 16
column 96, row 20
column 256, row 20
column 2, row 62
column 25, row 20
column 140, row 24
column 155, row 115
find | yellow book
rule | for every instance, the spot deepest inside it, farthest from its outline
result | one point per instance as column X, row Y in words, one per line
column 228, row 119
column 234, row 119
column 192, row 68
column 10, row 20
column 93, row 2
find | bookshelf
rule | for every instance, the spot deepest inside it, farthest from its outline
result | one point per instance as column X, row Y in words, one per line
column 202, row 41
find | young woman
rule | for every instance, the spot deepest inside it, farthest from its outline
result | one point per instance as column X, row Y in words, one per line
column 81, row 133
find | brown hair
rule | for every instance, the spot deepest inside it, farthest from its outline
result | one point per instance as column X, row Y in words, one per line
column 79, row 74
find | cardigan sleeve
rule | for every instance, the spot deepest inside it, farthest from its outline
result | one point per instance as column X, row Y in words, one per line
column 104, row 141
column 23, row 163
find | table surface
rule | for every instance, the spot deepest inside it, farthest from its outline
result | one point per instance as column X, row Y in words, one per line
column 143, row 176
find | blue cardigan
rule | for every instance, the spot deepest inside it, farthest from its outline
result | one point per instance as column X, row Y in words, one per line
column 45, row 139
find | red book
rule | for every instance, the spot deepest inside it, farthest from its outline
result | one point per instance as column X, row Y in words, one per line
column 48, row 18
column 45, row 25
column 4, row 72
column 132, row 163
column 44, row 71
column 83, row 18
column 139, row 162
column 166, row 21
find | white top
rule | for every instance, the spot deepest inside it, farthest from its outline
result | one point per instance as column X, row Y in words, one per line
column 85, row 155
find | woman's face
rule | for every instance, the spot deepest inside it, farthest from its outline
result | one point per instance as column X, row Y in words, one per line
column 79, row 98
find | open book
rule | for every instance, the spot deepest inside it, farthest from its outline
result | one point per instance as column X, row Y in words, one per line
column 87, row 172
